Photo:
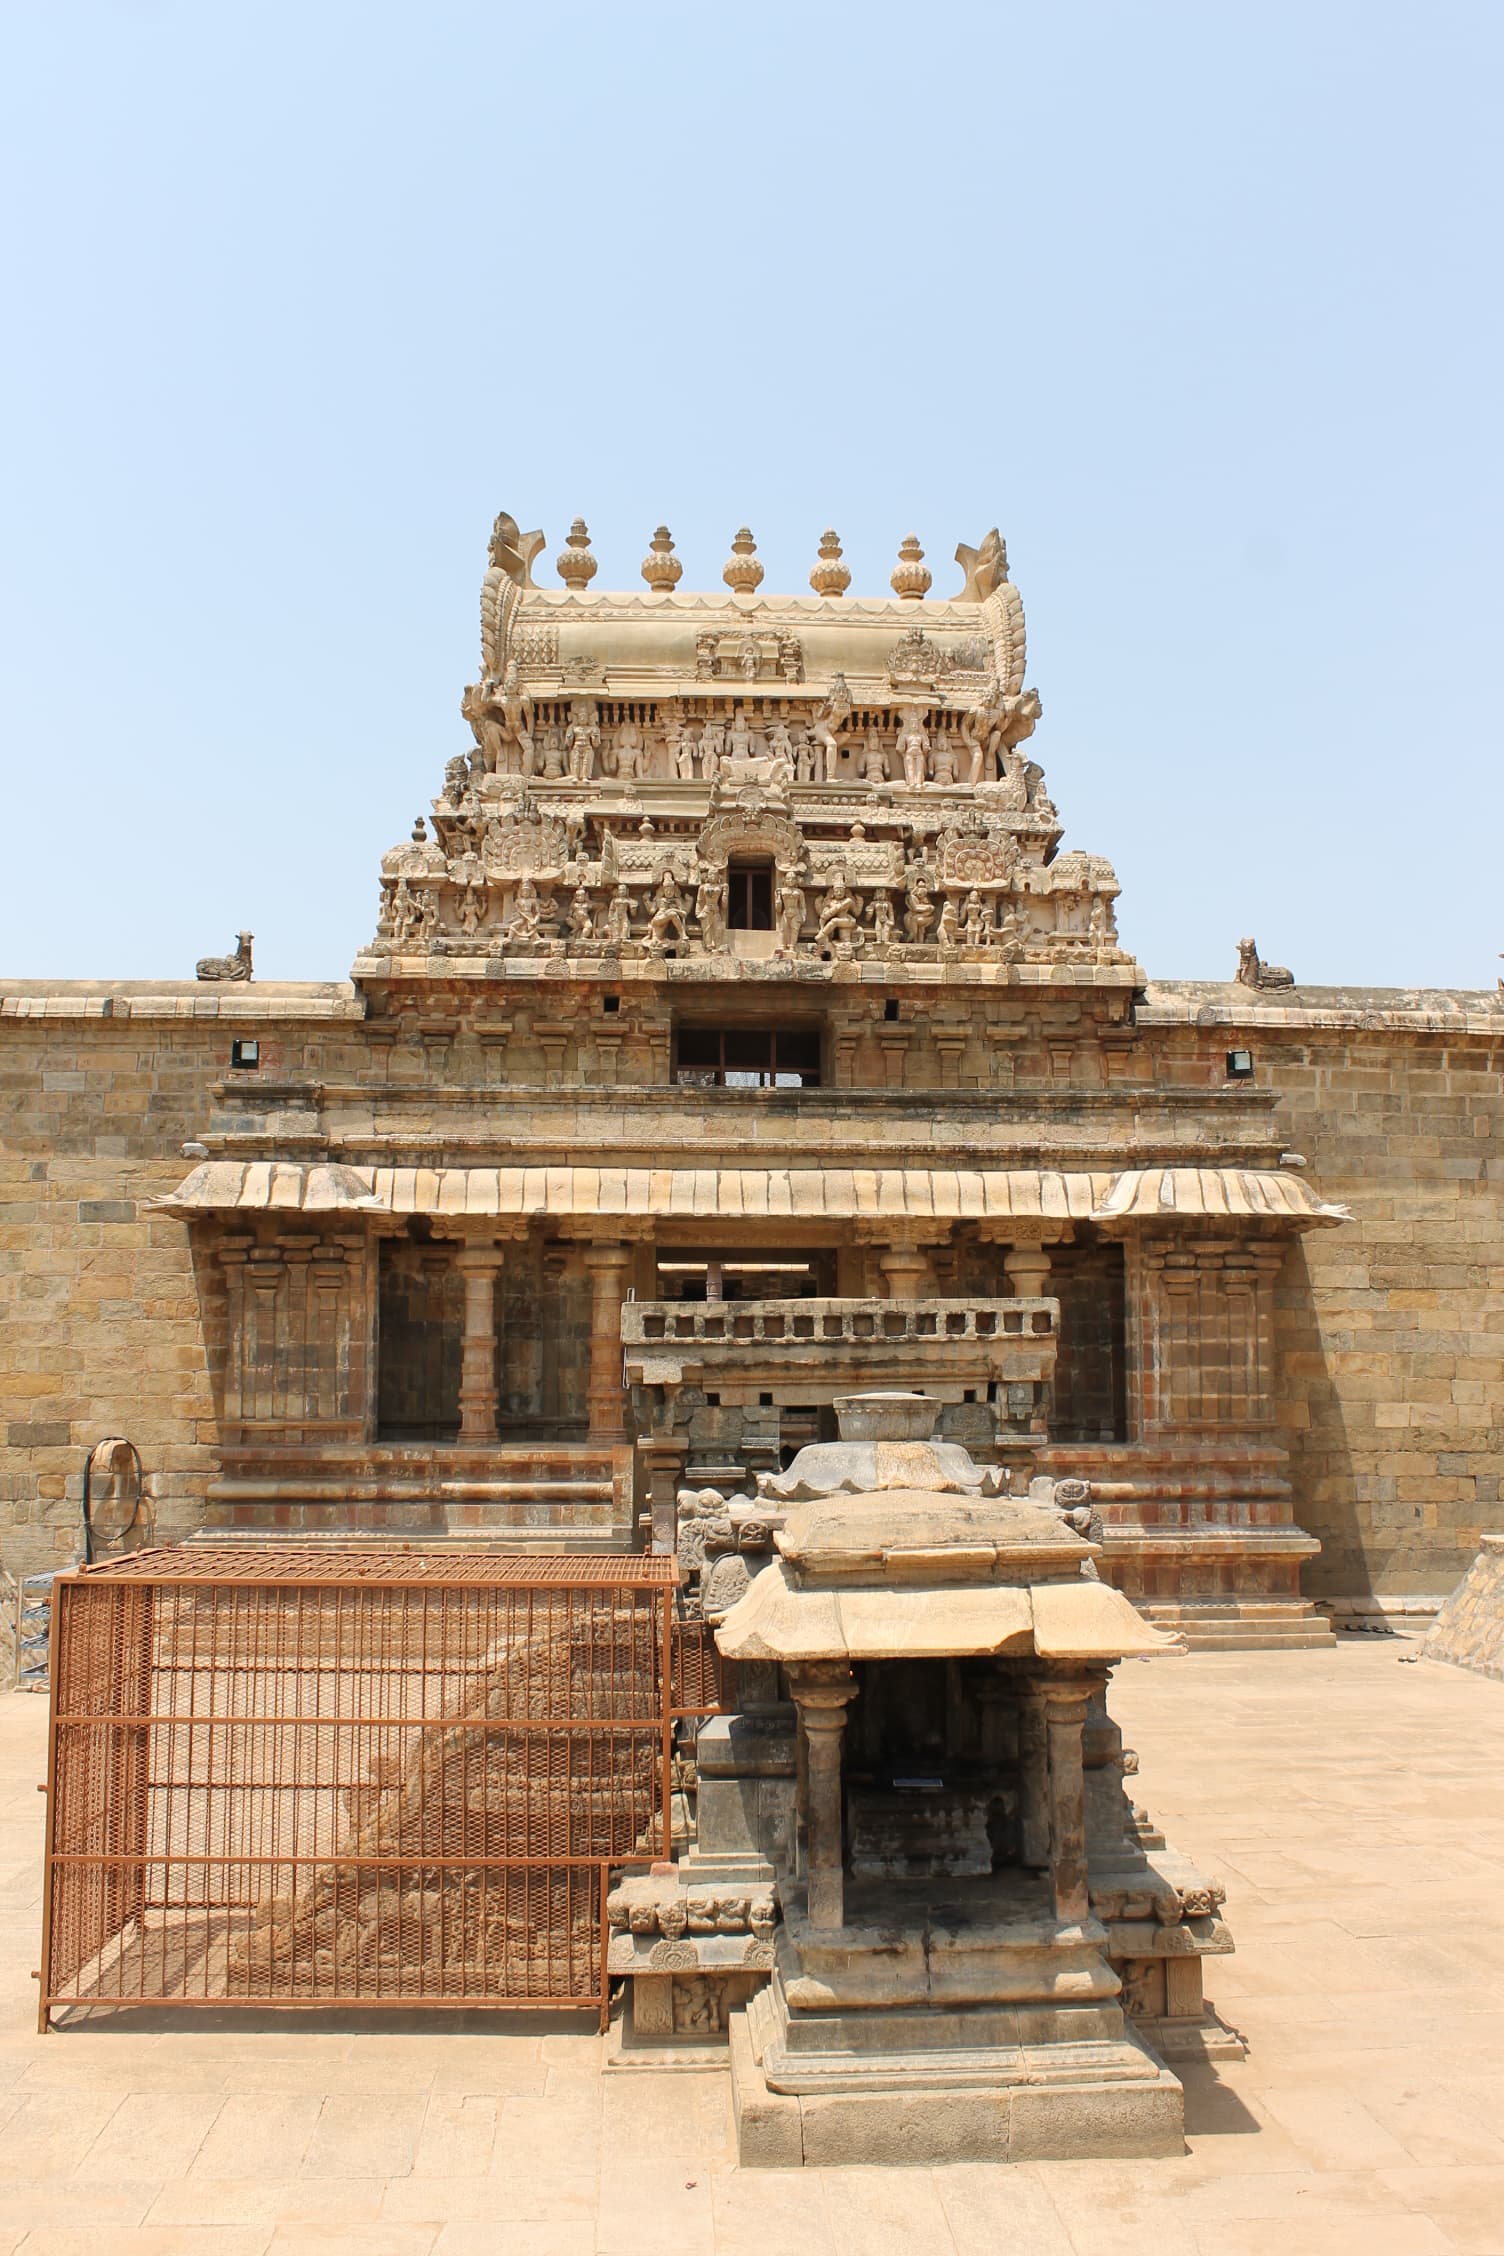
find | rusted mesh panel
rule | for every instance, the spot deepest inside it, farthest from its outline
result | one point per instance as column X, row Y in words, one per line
column 315, row 1563
column 697, row 1679
column 387, row 1791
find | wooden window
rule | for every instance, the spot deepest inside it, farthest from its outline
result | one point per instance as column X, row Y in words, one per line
column 747, row 1057
column 749, row 896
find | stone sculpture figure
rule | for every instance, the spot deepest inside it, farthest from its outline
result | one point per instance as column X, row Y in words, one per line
column 710, row 910
column 884, row 923
column 829, row 721
column 456, row 779
column 973, row 746
column 1254, row 972
column 840, row 914
column 682, row 746
column 750, row 658
column 707, row 664
column 581, row 922
column 913, row 749
column 526, row 922
column 739, row 745
column 943, row 760
column 804, row 760
column 236, row 967
column 780, row 755
column 976, row 924
column 919, row 914
column 948, row 931
column 629, row 750
column 517, row 718
column 790, row 657
column 712, row 749
column 792, row 911
column 667, row 917
column 873, row 758
column 619, row 917
column 582, row 739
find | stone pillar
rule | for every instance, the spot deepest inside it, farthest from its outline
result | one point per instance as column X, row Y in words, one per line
column 662, row 1454
column 1064, row 1721
column 608, row 1263
column 480, row 1266
column 1034, row 1780
column 822, row 1691
column 902, row 1256
column 1026, row 1255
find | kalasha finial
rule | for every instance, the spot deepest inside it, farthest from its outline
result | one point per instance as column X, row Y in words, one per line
column 913, row 579
column 661, row 567
column 743, row 573
column 830, row 576
column 574, row 562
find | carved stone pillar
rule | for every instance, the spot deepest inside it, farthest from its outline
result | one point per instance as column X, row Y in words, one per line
column 822, row 1691
column 902, row 1255
column 609, row 1264
column 1034, row 1780
column 480, row 1266
column 1065, row 1703
column 1026, row 1258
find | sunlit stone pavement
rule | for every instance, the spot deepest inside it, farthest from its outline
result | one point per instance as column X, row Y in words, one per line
column 1352, row 1800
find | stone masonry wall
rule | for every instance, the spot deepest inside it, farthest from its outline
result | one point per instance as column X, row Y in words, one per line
column 1391, row 1330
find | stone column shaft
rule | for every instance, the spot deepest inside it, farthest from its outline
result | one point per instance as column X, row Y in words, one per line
column 608, row 1265
column 1065, row 1720
column 480, row 1266
column 821, row 1702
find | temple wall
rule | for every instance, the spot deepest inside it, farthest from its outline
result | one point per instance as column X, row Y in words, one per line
column 1390, row 1331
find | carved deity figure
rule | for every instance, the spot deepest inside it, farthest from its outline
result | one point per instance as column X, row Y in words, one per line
column 739, row 745
column 943, row 760
column 581, row 922
column 710, row 910
column 629, row 750
column 553, row 756
column 517, row 718
column 682, row 750
column 750, row 658
column 1011, row 931
column 792, row 911
column 472, row 909
column 527, row 913
column 840, row 914
column 712, row 749
column 582, row 739
column 976, row 923
column 456, row 779
column 884, row 923
column 919, row 913
column 666, row 919
column 829, row 721
column 804, row 757
column 781, row 754
column 913, row 750
column 790, row 656
column 619, row 916
column 948, row 930
column 707, row 665
column 973, row 748
column 873, row 757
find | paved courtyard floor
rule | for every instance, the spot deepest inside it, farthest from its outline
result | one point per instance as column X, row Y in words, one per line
column 1353, row 1801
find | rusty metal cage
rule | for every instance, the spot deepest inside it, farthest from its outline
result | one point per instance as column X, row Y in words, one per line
column 293, row 1776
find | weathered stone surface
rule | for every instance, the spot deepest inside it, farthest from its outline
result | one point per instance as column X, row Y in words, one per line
column 1469, row 1630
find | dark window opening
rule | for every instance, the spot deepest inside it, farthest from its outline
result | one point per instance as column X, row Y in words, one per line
column 610, row 1004
column 747, row 1057
column 890, row 1009
column 749, row 896
column 1091, row 1390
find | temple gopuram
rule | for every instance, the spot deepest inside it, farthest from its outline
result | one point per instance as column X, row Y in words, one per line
column 739, row 1032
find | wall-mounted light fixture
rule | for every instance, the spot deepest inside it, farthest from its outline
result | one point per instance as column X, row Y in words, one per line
column 1240, row 1065
column 245, row 1057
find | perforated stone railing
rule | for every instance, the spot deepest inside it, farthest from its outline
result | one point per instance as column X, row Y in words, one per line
column 810, row 1325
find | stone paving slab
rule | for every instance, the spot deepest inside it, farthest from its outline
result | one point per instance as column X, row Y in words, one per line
column 1352, row 1800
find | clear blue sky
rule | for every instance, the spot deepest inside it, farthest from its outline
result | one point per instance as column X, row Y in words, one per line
column 1200, row 303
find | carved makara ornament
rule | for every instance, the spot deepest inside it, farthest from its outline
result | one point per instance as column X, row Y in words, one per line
column 912, row 578
column 830, row 576
column 743, row 573
column 575, row 564
column 661, row 568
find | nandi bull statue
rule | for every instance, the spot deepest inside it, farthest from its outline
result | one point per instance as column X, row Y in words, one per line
column 1254, row 972
column 237, row 966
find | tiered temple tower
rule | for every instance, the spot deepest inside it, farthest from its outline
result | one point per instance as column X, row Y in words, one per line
column 736, row 1033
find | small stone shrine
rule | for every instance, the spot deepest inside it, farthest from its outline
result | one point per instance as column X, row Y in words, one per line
column 983, row 1951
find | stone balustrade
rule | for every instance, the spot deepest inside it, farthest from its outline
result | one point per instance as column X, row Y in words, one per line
column 811, row 1326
